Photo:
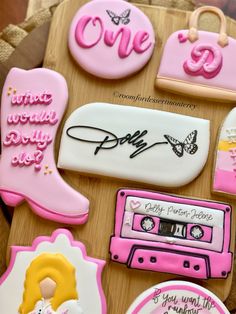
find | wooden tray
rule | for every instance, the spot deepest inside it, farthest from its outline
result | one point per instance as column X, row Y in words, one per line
column 121, row 285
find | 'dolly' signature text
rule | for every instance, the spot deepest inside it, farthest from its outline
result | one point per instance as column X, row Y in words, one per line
column 106, row 140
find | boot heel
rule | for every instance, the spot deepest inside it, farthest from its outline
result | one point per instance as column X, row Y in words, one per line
column 58, row 217
column 11, row 199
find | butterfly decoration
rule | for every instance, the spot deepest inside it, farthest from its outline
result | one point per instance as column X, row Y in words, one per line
column 189, row 145
column 123, row 18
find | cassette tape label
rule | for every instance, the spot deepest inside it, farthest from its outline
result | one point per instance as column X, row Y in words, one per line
column 176, row 211
column 166, row 233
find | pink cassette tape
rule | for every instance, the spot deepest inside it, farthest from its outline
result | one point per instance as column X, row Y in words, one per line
column 172, row 234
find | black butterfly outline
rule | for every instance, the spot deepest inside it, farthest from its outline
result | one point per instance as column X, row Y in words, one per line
column 189, row 145
column 123, row 18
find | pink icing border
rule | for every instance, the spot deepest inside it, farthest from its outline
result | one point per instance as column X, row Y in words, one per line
column 121, row 246
column 180, row 287
column 121, row 201
column 42, row 211
column 224, row 181
column 10, row 192
column 51, row 239
column 121, row 70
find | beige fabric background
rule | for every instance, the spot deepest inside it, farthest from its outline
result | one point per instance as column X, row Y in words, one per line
column 40, row 11
column 35, row 5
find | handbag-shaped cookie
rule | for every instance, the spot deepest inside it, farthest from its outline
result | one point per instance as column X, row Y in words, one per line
column 200, row 61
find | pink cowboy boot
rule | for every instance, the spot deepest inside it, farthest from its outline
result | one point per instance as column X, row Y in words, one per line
column 33, row 103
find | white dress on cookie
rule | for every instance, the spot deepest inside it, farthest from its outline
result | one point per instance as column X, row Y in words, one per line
column 68, row 307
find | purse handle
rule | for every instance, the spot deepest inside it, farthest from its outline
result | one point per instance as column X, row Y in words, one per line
column 193, row 24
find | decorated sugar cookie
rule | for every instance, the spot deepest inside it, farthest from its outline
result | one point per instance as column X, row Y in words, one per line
column 171, row 234
column 133, row 143
column 54, row 276
column 202, row 61
column 111, row 39
column 177, row 297
column 224, row 172
column 33, row 103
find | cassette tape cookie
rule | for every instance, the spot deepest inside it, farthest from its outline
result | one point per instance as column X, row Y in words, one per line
column 172, row 234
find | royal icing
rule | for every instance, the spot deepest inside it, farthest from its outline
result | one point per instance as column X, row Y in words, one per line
column 203, row 64
column 111, row 39
column 206, row 60
column 224, row 172
column 177, row 297
column 133, row 143
column 170, row 234
column 54, row 276
column 33, row 103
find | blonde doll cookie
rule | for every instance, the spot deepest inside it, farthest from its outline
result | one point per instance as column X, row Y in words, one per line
column 54, row 290
column 54, row 276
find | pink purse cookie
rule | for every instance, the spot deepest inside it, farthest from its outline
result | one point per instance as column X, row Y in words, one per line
column 111, row 39
column 33, row 103
column 172, row 234
column 51, row 277
column 202, row 61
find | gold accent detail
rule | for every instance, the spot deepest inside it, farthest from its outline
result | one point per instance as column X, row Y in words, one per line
column 226, row 146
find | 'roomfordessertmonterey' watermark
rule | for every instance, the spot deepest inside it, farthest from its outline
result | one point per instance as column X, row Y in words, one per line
column 154, row 100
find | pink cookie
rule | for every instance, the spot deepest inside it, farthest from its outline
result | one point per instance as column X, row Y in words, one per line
column 33, row 103
column 177, row 297
column 54, row 276
column 111, row 39
column 224, row 176
column 202, row 61
column 172, row 234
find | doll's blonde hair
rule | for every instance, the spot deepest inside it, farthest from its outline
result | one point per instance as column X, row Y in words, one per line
column 56, row 267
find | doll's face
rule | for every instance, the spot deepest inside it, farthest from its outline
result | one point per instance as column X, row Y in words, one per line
column 47, row 287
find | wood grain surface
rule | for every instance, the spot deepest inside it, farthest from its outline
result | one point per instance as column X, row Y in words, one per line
column 121, row 285
column 5, row 219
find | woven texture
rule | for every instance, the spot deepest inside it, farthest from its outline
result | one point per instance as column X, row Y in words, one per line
column 12, row 35
column 40, row 11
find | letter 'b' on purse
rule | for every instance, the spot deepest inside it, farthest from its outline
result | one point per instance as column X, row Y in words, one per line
column 200, row 61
